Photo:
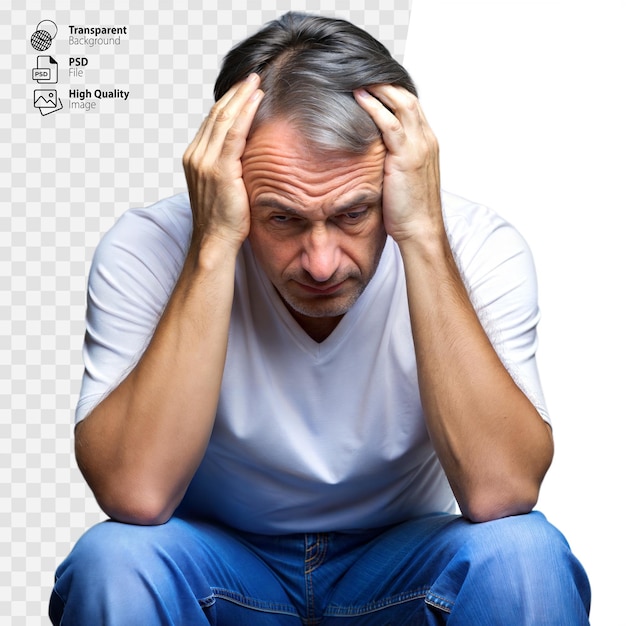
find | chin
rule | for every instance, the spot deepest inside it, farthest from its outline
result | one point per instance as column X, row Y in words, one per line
column 321, row 307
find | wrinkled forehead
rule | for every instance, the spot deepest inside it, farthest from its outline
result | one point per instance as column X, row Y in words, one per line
column 279, row 161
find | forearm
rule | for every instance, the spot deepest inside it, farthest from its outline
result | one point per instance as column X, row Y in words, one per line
column 140, row 447
column 492, row 443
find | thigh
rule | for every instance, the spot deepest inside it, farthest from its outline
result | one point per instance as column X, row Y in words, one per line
column 442, row 569
column 178, row 573
column 393, row 576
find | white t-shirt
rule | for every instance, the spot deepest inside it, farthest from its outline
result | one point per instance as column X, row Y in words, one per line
column 309, row 437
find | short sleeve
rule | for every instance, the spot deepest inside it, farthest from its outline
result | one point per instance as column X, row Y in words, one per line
column 499, row 272
column 133, row 273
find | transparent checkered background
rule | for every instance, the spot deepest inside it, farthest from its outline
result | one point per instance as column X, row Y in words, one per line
column 64, row 179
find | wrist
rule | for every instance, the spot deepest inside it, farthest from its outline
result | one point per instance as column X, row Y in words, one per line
column 415, row 221
column 426, row 237
column 211, row 251
column 428, row 253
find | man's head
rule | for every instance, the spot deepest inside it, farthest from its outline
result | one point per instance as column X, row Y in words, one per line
column 314, row 161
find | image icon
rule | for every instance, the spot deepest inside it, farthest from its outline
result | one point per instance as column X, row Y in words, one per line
column 42, row 38
column 47, row 70
column 47, row 101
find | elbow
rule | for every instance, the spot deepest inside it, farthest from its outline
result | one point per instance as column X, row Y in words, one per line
column 503, row 493
column 130, row 501
column 134, row 505
column 140, row 512
column 491, row 511
column 494, row 503
column 131, row 495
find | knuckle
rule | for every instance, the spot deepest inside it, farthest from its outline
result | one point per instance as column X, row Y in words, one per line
column 411, row 103
column 187, row 156
column 220, row 115
column 232, row 134
column 433, row 142
column 193, row 160
column 198, row 164
column 395, row 126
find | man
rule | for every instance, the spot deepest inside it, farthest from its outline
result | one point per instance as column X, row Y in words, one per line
column 292, row 374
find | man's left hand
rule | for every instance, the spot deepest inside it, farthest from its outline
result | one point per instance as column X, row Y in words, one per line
column 411, row 185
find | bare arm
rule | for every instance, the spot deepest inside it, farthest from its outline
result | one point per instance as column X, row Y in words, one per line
column 139, row 448
column 490, row 440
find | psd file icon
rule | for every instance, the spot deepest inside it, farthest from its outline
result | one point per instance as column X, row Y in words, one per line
column 47, row 70
column 46, row 101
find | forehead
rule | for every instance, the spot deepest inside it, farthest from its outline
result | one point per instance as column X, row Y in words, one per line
column 279, row 163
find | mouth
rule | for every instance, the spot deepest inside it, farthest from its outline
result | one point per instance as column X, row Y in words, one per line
column 321, row 290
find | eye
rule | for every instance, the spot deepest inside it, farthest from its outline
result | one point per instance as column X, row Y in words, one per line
column 355, row 215
column 284, row 220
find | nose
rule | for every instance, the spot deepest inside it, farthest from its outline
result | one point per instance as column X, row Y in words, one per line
column 321, row 254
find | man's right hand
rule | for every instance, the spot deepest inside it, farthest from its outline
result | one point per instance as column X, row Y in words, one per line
column 212, row 164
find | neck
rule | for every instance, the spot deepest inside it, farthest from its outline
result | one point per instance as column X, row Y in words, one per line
column 318, row 328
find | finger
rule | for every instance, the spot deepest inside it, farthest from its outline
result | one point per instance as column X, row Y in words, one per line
column 236, row 136
column 226, row 111
column 206, row 122
column 393, row 132
column 405, row 108
column 393, row 97
column 223, row 110
column 402, row 103
column 194, row 142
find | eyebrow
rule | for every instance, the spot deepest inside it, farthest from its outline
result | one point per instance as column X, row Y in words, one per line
column 273, row 203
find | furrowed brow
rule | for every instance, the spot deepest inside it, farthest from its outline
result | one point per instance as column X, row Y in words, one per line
column 273, row 203
column 364, row 198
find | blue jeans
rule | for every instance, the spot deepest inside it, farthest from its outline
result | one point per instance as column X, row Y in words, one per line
column 440, row 569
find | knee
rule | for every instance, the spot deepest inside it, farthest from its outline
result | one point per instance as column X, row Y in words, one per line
column 522, row 561
column 121, row 574
column 109, row 546
column 526, row 551
column 110, row 572
column 113, row 556
column 523, row 541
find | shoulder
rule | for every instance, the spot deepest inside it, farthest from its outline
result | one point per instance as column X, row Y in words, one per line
column 472, row 223
column 167, row 221
column 146, row 245
column 483, row 241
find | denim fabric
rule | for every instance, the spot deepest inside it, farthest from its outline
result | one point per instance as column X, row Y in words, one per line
column 440, row 569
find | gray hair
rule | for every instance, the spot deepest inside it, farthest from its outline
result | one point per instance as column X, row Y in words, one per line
column 310, row 66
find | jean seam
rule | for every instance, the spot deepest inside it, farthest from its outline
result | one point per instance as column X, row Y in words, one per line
column 439, row 602
column 249, row 603
column 321, row 548
column 373, row 607
column 311, row 563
